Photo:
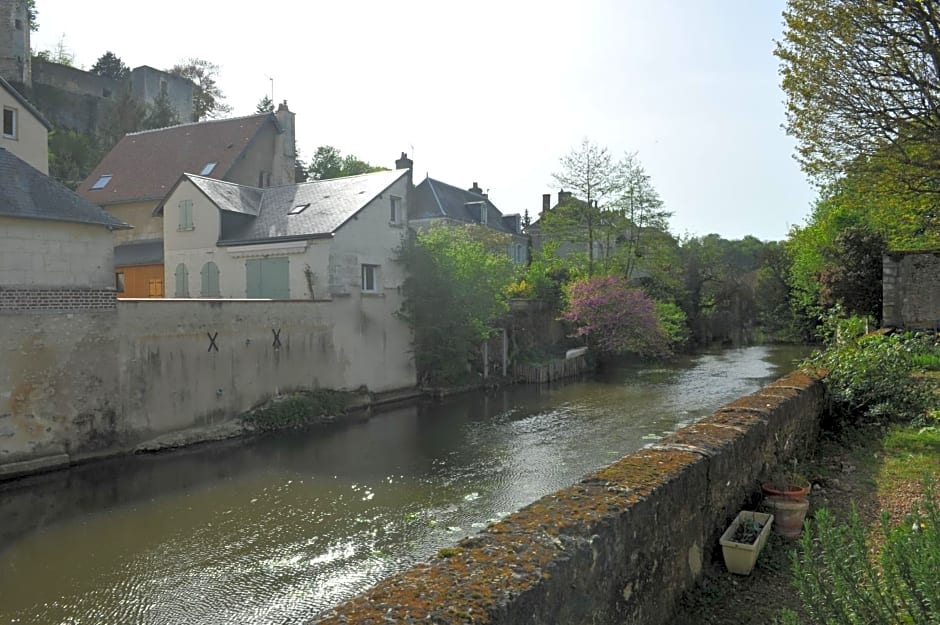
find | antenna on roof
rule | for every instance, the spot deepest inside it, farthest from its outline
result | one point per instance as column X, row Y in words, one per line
column 272, row 88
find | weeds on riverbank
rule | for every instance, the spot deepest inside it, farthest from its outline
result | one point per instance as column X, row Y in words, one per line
column 298, row 410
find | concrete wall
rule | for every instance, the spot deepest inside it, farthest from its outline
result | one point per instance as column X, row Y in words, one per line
column 622, row 545
column 911, row 288
column 31, row 142
column 39, row 252
column 84, row 382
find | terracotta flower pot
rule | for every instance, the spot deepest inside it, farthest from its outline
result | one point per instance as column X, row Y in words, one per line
column 788, row 491
column 789, row 513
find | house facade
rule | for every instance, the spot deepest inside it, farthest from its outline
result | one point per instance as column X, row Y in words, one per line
column 437, row 202
column 133, row 180
column 310, row 241
column 25, row 132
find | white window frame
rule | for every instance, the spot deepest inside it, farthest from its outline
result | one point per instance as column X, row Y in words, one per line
column 370, row 273
column 396, row 216
column 14, row 114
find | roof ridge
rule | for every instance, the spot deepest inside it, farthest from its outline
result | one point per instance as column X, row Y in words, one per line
column 203, row 122
column 368, row 173
column 479, row 195
column 228, row 182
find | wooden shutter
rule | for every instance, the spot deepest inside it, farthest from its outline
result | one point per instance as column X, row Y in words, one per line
column 275, row 274
column 253, row 278
column 182, row 281
column 210, row 280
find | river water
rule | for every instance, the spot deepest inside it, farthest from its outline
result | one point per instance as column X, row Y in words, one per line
column 281, row 527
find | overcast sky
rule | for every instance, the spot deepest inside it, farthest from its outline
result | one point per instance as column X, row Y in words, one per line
column 495, row 92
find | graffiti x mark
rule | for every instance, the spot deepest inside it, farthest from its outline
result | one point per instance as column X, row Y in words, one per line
column 212, row 345
column 277, row 337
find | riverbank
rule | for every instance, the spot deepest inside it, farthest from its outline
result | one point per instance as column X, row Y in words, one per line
column 873, row 468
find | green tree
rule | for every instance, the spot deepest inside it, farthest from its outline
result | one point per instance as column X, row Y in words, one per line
column 126, row 116
column 265, row 105
column 61, row 54
column 208, row 100
column 111, row 66
column 72, row 156
column 862, row 80
column 455, row 290
column 642, row 216
column 852, row 276
column 160, row 114
column 328, row 162
column 32, row 14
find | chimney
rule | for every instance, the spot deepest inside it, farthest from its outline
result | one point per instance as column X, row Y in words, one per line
column 476, row 189
column 404, row 162
column 285, row 149
column 564, row 196
column 546, row 201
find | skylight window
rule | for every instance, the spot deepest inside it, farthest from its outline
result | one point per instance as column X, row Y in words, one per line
column 102, row 182
column 208, row 168
column 298, row 209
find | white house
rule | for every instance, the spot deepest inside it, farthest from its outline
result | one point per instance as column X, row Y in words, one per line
column 309, row 241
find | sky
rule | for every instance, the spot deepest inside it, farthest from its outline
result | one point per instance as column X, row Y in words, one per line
column 496, row 92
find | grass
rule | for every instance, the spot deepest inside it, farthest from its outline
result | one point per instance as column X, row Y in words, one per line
column 909, row 453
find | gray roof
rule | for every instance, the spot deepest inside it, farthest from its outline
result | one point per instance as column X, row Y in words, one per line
column 27, row 192
column 148, row 252
column 26, row 103
column 436, row 199
column 331, row 204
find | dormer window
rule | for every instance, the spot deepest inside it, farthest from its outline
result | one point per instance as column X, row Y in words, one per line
column 208, row 168
column 298, row 209
column 102, row 182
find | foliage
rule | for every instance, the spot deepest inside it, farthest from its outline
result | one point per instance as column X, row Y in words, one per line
column 72, row 156
column 61, row 54
column 207, row 96
column 456, row 288
column 298, row 410
column 861, row 80
column 852, row 276
column 672, row 322
column 328, row 162
column 265, row 105
column 160, row 114
column 614, row 317
column 110, row 65
column 545, row 276
column 869, row 375
column 32, row 14
column 840, row 583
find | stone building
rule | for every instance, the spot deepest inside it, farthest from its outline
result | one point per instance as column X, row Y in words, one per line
column 14, row 41
column 911, row 289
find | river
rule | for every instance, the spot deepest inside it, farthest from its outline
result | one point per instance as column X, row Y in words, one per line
column 278, row 528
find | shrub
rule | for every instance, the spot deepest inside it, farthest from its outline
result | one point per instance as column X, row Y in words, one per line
column 839, row 583
column 298, row 410
column 673, row 323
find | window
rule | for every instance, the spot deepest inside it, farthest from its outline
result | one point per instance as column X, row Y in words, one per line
column 163, row 87
column 186, row 215
column 18, row 24
column 370, row 278
column 210, row 280
column 267, row 278
column 298, row 209
column 119, row 281
column 396, row 216
column 101, row 182
column 182, row 281
column 155, row 287
column 9, row 123
column 208, row 168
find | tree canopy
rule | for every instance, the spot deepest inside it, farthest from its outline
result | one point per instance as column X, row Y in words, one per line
column 110, row 65
column 862, row 80
column 208, row 100
column 265, row 105
column 328, row 162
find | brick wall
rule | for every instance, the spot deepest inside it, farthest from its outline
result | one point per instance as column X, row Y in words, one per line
column 18, row 300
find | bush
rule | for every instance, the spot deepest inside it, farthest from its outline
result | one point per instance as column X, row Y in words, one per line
column 871, row 376
column 298, row 410
column 840, row 584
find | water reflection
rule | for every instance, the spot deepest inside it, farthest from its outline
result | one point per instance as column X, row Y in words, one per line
column 276, row 529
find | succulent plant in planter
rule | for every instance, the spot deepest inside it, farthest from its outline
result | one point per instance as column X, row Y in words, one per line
column 744, row 539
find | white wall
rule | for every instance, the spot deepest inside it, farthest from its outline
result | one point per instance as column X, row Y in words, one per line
column 40, row 252
column 31, row 142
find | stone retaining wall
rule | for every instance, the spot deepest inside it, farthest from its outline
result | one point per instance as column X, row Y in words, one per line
column 620, row 546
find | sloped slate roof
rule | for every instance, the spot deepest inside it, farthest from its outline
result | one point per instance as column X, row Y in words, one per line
column 149, row 252
column 331, row 204
column 27, row 192
column 145, row 165
column 25, row 103
column 434, row 198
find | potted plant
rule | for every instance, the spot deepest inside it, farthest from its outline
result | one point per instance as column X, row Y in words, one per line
column 744, row 539
column 785, row 495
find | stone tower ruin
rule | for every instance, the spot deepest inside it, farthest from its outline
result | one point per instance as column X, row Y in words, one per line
column 14, row 42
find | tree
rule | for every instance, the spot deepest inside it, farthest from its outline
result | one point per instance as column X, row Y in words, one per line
column 207, row 97
column 853, row 273
column 615, row 318
column 32, row 15
column 126, row 116
column 641, row 212
column 862, row 80
column 111, row 66
column 61, row 54
column 328, row 162
column 160, row 114
column 455, row 289
column 265, row 105
column 72, row 156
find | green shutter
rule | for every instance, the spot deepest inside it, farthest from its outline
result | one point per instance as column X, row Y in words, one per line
column 276, row 278
column 182, row 281
column 210, row 280
column 253, row 278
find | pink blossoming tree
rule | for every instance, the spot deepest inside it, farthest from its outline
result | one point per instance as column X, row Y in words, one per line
column 615, row 318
